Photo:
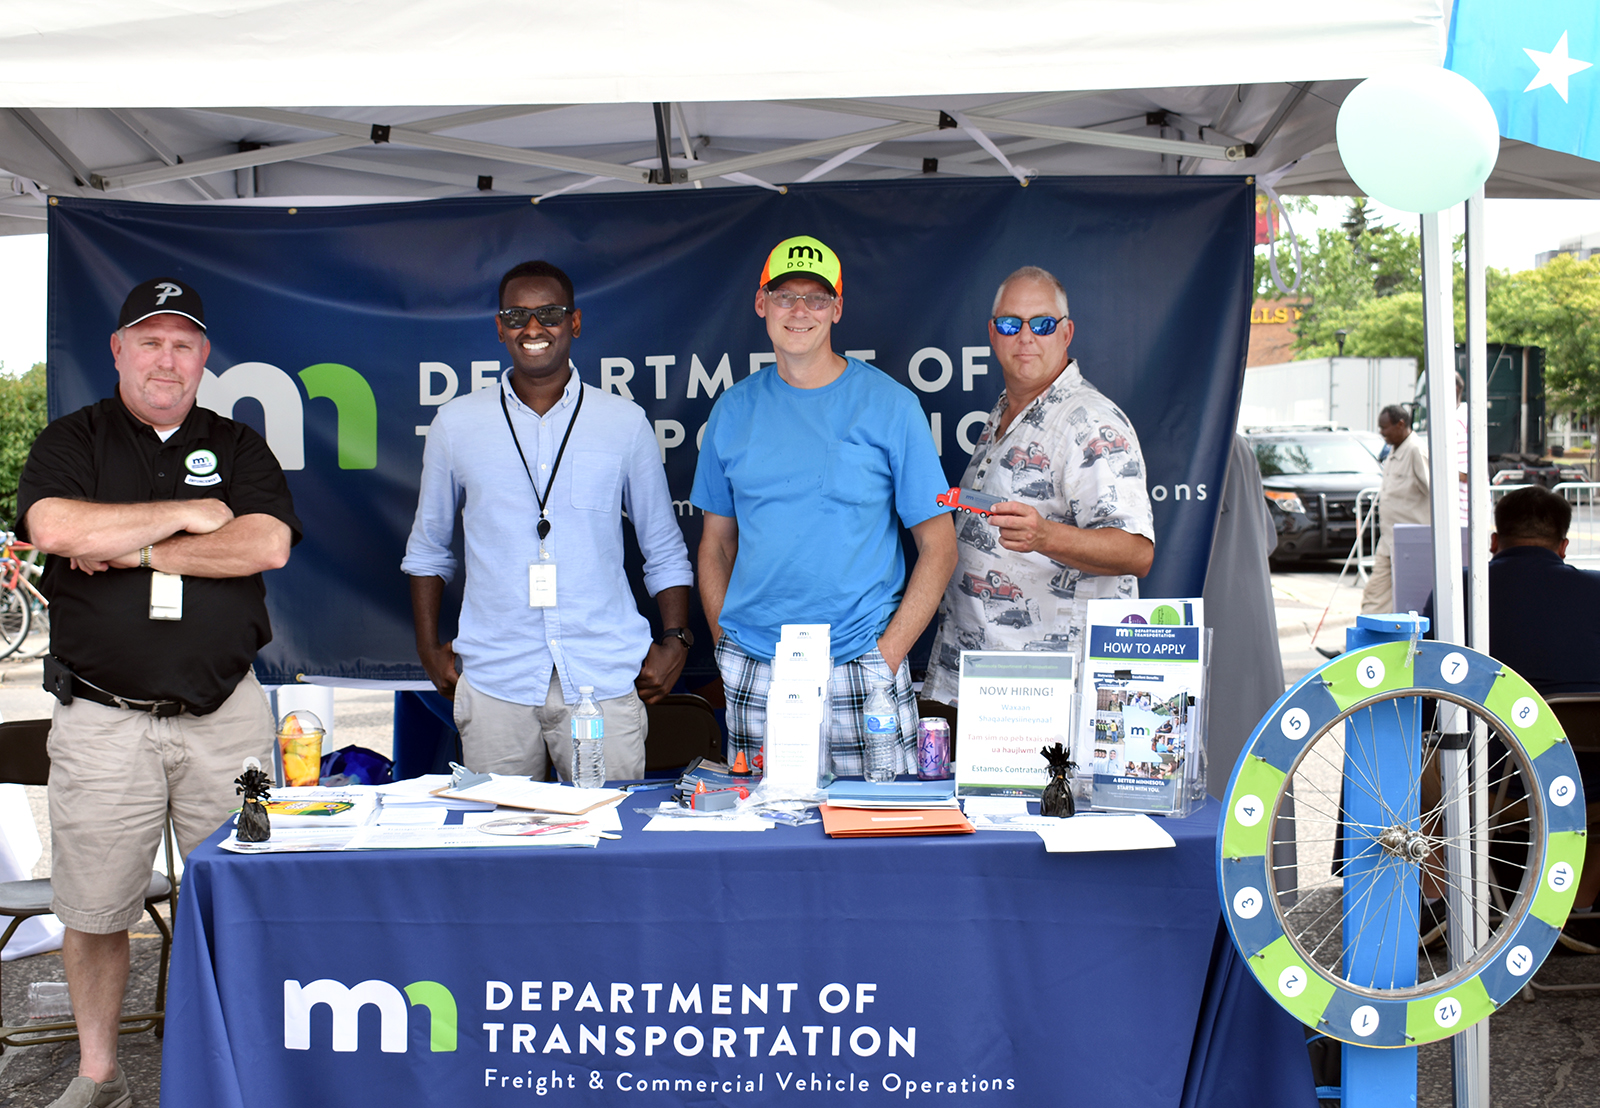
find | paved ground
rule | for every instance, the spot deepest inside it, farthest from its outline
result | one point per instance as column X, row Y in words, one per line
column 1544, row 1054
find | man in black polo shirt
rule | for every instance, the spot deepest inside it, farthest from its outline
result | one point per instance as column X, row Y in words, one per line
column 161, row 517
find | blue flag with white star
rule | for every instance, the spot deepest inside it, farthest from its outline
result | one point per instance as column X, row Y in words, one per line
column 1537, row 64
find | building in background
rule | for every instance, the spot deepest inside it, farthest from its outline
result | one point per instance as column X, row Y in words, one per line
column 1582, row 248
column 1272, row 325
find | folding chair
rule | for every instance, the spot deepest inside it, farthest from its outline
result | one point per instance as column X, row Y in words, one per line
column 683, row 727
column 24, row 761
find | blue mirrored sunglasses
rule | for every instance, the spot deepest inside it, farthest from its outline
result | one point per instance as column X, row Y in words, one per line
column 1039, row 324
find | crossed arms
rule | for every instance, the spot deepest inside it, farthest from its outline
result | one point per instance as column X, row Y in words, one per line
column 199, row 538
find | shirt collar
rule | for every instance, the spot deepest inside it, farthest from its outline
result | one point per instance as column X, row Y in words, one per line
column 569, row 395
column 1069, row 378
column 179, row 433
column 1529, row 551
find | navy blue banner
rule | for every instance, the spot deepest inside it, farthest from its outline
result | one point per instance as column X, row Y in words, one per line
column 338, row 332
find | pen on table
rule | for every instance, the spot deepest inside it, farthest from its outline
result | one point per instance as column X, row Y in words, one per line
column 651, row 785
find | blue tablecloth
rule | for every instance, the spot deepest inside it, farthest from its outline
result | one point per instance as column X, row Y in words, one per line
column 729, row 969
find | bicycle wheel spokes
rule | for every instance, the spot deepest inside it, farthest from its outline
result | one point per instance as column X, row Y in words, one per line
column 16, row 614
column 1351, row 881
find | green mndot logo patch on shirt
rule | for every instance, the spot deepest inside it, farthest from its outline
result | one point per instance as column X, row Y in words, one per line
column 201, row 463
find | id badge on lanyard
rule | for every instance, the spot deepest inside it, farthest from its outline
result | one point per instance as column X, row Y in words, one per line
column 166, row 595
column 542, row 574
column 542, row 582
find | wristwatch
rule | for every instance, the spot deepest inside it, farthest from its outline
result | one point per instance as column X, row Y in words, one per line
column 677, row 633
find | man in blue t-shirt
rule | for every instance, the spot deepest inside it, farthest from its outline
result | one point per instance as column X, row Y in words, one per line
column 805, row 475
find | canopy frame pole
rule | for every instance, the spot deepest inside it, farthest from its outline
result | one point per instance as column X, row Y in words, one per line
column 1438, row 311
column 1469, row 1051
column 53, row 143
column 666, row 175
column 988, row 122
column 1256, row 145
column 137, row 128
column 349, row 134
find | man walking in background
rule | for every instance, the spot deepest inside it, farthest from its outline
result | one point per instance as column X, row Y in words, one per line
column 1402, row 498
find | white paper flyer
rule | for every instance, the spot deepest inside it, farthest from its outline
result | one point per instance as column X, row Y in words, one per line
column 1012, row 704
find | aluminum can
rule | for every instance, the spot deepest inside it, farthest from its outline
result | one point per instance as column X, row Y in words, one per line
column 933, row 748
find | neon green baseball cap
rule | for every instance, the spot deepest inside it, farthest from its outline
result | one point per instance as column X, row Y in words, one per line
column 802, row 256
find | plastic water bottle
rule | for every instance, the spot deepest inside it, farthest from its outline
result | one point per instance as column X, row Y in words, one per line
column 883, row 735
column 588, row 741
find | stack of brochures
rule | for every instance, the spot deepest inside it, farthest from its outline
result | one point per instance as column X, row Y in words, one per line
column 862, row 809
column 892, row 794
column 1141, row 739
column 794, row 757
column 537, row 796
column 317, row 806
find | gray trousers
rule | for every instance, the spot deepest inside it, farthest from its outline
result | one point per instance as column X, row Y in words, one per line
column 498, row 736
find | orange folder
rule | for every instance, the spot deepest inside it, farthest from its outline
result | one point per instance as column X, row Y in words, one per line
column 856, row 823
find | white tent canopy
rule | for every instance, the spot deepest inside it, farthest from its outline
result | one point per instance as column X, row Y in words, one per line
column 222, row 100
column 198, row 53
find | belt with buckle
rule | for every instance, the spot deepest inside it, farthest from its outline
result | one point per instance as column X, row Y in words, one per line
column 161, row 709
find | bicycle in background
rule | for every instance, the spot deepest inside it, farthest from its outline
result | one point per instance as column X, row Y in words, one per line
column 23, row 608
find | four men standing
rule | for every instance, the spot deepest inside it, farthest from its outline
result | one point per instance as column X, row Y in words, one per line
column 163, row 515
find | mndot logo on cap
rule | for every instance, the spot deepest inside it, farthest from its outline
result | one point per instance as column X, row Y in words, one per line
column 802, row 256
column 161, row 296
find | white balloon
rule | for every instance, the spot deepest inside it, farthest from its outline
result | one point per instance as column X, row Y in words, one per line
column 1418, row 138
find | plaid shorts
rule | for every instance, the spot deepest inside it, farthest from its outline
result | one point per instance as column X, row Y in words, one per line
column 745, row 681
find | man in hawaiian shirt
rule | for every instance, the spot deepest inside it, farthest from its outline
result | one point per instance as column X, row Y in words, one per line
column 1074, row 519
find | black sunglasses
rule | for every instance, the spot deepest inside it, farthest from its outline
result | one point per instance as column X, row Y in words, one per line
column 1039, row 324
column 548, row 315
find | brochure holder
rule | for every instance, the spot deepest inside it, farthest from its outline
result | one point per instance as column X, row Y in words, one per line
column 1141, row 734
column 794, row 757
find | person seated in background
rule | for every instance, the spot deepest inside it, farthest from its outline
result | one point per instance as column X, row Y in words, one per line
column 1544, row 622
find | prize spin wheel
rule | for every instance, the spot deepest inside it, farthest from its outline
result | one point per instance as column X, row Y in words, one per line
column 1351, row 803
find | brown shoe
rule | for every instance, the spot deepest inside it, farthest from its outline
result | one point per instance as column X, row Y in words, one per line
column 86, row 1092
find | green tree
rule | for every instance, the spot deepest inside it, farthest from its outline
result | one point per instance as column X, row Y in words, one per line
column 22, row 417
column 1365, row 279
column 1556, row 307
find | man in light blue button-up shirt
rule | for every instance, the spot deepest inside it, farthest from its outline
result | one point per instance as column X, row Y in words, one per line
column 542, row 469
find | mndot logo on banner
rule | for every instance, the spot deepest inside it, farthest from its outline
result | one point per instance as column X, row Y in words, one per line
column 283, row 412
column 346, row 1001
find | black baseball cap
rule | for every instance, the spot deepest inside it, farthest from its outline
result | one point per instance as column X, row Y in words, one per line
column 161, row 296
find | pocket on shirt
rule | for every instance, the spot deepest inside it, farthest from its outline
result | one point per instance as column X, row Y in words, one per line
column 857, row 474
column 596, row 479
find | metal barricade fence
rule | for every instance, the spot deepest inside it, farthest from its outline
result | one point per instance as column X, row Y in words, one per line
column 1366, row 520
column 1583, row 537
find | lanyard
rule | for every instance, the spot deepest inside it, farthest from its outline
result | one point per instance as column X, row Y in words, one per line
column 544, row 521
